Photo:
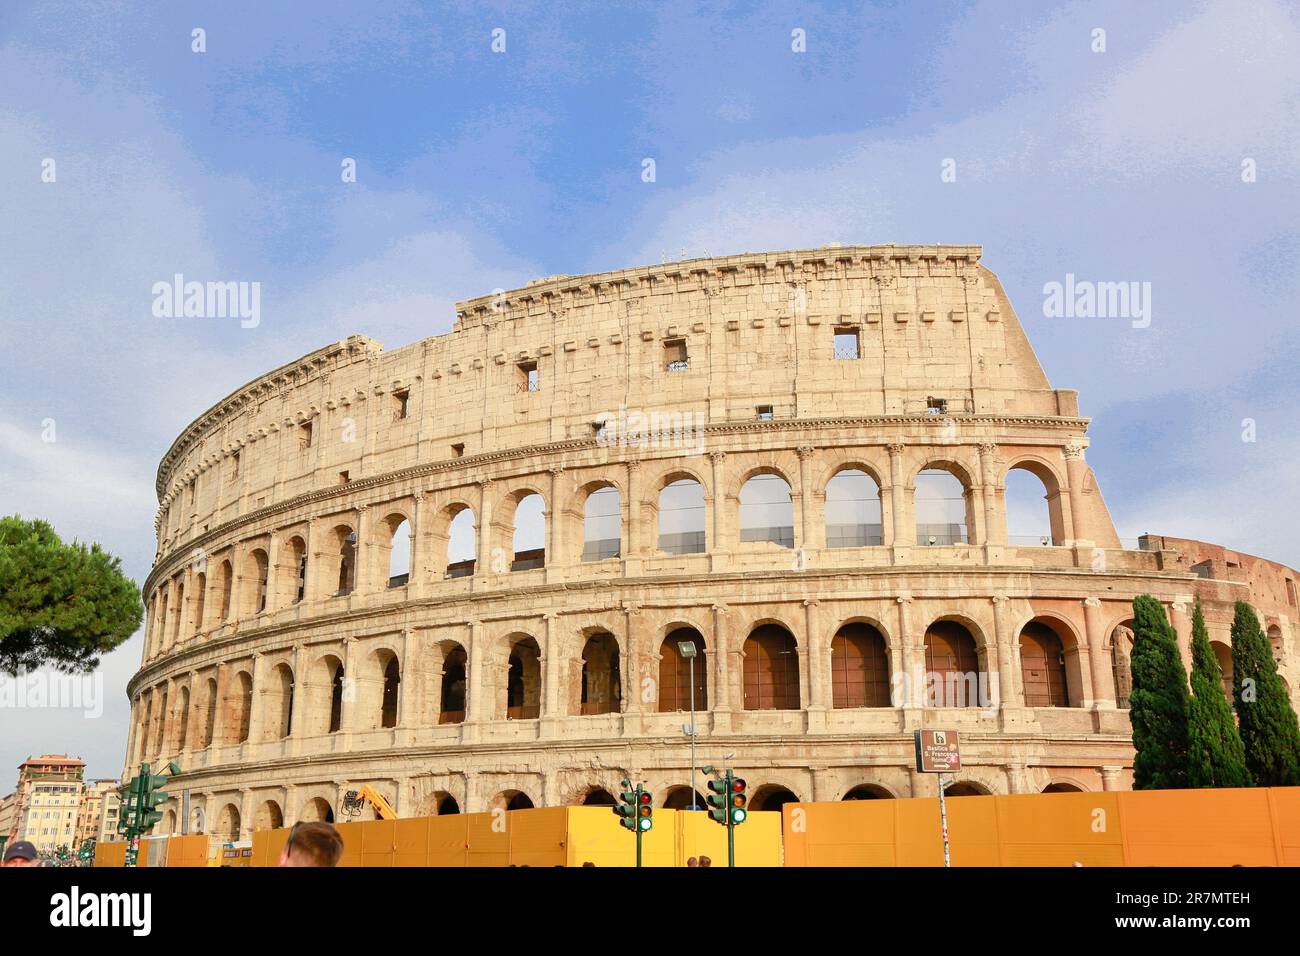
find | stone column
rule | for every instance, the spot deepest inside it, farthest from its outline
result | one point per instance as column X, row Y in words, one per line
column 913, row 665
column 186, row 744
column 363, row 575
column 634, row 708
column 477, row 708
column 246, row 811
column 417, row 585
column 222, row 718
column 410, row 686
column 351, row 689
column 1010, row 694
column 719, row 547
column 483, row 564
column 132, row 733
column 1182, row 623
column 1112, row 778
column 995, row 531
column 302, row 697
column 273, row 572
column 812, row 533
column 556, row 545
column 1103, row 680
column 1017, row 781
column 818, row 672
column 257, row 716
column 634, row 537
column 551, row 660
column 721, row 702
column 904, row 532
column 1076, row 471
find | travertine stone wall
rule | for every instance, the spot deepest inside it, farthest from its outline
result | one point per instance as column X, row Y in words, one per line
column 731, row 366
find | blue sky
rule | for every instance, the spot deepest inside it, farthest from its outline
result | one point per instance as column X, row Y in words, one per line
column 479, row 170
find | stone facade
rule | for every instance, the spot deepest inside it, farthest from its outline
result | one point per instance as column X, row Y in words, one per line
column 285, row 663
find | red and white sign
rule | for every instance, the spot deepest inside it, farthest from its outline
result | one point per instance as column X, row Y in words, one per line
column 937, row 751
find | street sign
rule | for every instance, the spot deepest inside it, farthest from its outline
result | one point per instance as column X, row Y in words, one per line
column 937, row 751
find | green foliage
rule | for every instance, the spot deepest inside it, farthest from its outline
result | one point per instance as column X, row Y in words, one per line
column 60, row 604
column 1159, row 702
column 1268, row 723
column 1215, row 755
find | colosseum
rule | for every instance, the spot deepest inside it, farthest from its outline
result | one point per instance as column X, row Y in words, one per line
column 811, row 501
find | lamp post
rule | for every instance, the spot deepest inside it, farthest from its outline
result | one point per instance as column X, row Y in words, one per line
column 687, row 650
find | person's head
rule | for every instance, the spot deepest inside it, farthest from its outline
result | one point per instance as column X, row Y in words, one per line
column 706, row 861
column 692, row 862
column 312, row 844
column 21, row 853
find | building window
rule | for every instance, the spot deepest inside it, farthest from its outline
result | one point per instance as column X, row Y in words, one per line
column 343, row 478
column 936, row 406
column 846, row 343
column 304, row 436
column 401, row 404
column 234, row 466
column 529, row 380
column 458, row 450
column 675, row 357
column 763, row 413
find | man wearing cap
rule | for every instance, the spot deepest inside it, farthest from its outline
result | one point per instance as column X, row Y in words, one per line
column 21, row 853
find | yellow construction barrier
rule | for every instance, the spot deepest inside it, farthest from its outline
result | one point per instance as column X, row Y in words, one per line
column 110, row 854
column 1252, row 827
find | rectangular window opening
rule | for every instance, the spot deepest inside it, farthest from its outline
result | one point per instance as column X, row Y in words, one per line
column 764, row 413
column 847, row 345
column 676, row 358
column 401, row 404
column 529, row 379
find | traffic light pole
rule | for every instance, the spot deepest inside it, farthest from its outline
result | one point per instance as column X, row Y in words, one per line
column 731, row 826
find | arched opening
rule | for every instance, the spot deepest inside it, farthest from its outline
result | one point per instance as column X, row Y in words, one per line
column 256, row 574
column 859, row 667
column 168, row 823
column 952, row 666
column 1032, row 508
column 178, row 631
column 942, row 508
column 868, row 791
column 771, row 671
column 771, row 797
column 317, row 810
column 964, row 788
column 602, row 682
column 269, row 816
column 239, row 708
column 1223, row 654
column 226, row 582
column 523, row 680
column 767, row 511
column 346, row 555
column 462, row 544
column 295, row 568
column 161, row 623
column 1062, row 788
column 228, row 823
column 453, row 687
column 512, row 800
column 599, row 797
column 529, row 538
column 679, row 798
column 336, row 698
column 200, row 598
column 1042, row 667
column 447, row 805
column 681, row 517
column 183, row 721
column 210, row 720
column 853, row 510
column 399, row 550
column 196, row 820
column 392, row 678
column 279, row 703
column 1275, row 642
column 675, row 669
column 160, row 739
column 602, row 525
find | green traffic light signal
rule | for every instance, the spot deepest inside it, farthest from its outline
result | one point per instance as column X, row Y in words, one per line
column 644, row 811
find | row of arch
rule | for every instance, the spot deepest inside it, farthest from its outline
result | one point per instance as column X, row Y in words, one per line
column 942, row 502
column 858, row 666
column 269, row 814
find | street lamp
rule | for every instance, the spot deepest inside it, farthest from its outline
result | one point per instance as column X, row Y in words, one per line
column 687, row 650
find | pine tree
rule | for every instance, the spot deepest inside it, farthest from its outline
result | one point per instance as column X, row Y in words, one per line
column 1269, row 729
column 60, row 604
column 1215, row 754
column 1159, row 702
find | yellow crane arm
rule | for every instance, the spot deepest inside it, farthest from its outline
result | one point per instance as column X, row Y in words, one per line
column 383, row 809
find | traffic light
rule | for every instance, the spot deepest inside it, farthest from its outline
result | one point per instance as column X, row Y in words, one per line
column 645, row 812
column 718, row 800
column 627, row 807
column 152, row 797
column 738, row 800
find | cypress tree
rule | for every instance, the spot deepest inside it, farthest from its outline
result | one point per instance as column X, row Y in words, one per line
column 1215, row 755
column 1269, row 729
column 1159, row 701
